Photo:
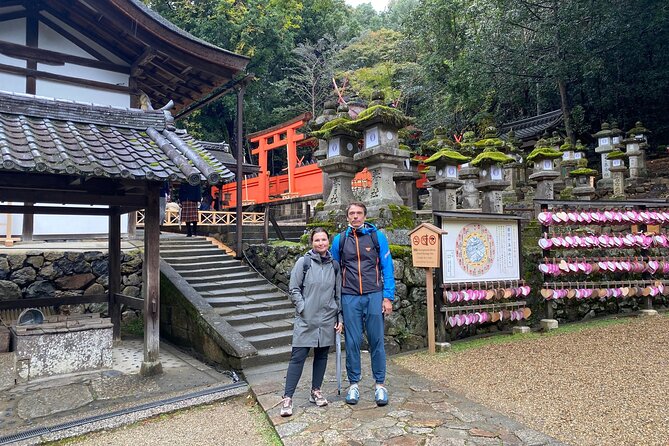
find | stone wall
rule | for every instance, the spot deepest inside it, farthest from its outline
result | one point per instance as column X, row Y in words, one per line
column 35, row 274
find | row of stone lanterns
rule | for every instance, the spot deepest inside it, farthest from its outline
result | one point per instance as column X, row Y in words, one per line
column 610, row 139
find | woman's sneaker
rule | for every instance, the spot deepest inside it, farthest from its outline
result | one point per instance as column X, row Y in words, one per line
column 353, row 395
column 287, row 407
column 318, row 398
column 381, row 396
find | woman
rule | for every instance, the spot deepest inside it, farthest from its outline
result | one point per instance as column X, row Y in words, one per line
column 190, row 197
column 315, row 289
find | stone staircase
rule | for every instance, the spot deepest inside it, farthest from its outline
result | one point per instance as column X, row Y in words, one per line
column 260, row 311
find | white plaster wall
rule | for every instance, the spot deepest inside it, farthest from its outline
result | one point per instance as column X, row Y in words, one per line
column 13, row 31
column 63, row 224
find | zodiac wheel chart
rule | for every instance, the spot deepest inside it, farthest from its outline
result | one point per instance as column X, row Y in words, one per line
column 475, row 249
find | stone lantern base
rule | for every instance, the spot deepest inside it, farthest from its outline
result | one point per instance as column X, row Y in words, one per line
column 341, row 171
column 382, row 162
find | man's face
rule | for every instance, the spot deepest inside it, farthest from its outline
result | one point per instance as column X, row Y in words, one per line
column 356, row 216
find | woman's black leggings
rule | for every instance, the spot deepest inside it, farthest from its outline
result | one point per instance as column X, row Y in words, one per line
column 296, row 364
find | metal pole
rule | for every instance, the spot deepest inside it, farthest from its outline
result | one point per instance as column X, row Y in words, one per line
column 240, row 160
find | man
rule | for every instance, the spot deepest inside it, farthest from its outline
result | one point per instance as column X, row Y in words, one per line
column 367, row 294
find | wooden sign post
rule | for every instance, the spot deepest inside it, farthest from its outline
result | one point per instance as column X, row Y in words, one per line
column 425, row 253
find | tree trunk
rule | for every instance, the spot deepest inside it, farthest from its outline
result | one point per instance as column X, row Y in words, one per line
column 566, row 111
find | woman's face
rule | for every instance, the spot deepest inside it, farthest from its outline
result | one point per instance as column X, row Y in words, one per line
column 320, row 242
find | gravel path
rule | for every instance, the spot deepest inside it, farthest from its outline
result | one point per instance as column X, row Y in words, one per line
column 231, row 422
column 600, row 386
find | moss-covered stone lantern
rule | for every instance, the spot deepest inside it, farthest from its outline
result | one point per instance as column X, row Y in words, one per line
column 342, row 144
column 618, row 171
column 635, row 147
column 604, row 146
column 583, row 189
column 491, row 183
column 544, row 170
column 446, row 182
column 381, row 153
column 329, row 113
column 468, row 173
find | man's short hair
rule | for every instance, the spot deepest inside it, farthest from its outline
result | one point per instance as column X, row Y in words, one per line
column 360, row 204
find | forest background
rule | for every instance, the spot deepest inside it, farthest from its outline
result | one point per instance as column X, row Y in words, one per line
column 458, row 64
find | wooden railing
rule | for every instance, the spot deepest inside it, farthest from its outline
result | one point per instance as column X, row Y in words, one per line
column 210, row 218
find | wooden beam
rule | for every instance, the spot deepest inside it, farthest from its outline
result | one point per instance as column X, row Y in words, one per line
column 69, row 197
column 65, row 79
column 48, row 57
column 114, row 259
column 28, row 221
column 151, row 284
column 136, row 303
column 29, row 209
column 32, row 40
column 12, row 16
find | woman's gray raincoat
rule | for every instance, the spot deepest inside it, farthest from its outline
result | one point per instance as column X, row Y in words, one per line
column 317, row 300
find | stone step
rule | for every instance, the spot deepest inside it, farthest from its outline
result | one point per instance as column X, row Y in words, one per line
column 258, row 328
column 185, row 242
column 256, row 307
column 204, row 264
column 229, row 284
column 214, row 272
column 222, row 276
column 270, row 355
column 191, row 251
column 220, row 256
column 221, row 301
column 257, row 290
column 268, row 340
column 265, row 316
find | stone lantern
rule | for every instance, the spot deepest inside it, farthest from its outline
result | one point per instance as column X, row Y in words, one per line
column 329, row 113
column 342, row 144
column 545, row 171
column 568, row 163
column 583, row 189
column 405, row 180
column 446, row 182
column 469, row 174
column 491, row 178
column 381, row 153
column 618, row 171
column 604, row 146
column 512, row 171
column 635, row 144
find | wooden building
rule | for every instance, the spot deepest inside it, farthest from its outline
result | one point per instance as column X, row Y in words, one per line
column 74, row 75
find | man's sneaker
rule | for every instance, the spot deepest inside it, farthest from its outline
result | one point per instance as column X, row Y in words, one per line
column 318, row 398
column 353, row 395
column 381, row 396
column 287, row 407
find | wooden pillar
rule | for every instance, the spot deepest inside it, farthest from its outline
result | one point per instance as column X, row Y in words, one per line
column 151, row 284
column 291, row 156
column 239, row 143
column 28, row 225
column 114, row 269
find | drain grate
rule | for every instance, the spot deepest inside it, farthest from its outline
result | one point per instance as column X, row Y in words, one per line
column 70, row 424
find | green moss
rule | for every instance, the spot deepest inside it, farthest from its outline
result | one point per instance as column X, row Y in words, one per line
column 402, row 217
column 337, row 125
column 616, row 155
column 447, row 157
column 319, row 206
column 400, row 251
column 285, row 243
column 405, row 147
column 388, row 115
column 583, row 171
column 325, row 224
column 489, row 158
column 567, row 147
column 541, row 153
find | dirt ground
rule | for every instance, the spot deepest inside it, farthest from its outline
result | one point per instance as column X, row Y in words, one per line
column 603, row 385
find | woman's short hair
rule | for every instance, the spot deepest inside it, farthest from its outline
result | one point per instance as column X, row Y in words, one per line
column 316, row 231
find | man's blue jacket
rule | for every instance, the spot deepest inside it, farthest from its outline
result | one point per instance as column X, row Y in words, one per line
column 363, row 269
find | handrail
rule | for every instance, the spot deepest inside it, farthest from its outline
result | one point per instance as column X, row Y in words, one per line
column 209, row 218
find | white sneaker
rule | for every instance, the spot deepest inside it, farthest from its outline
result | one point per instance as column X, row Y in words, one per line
column 286, row 407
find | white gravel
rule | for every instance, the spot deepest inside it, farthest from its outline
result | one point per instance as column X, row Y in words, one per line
column 600, row 386
column 236, row 421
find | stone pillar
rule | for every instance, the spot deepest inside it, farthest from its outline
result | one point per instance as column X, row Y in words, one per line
column 382, row 157
column 470, row 193
column 320, row 155
column 637, row 157
column 544, row 174
column 604, row 147
column 405, row 180
column 444, row 188
column 491, row 184
column 341, row 168
column 582, row 190
column 512, row 176
column 618, row 171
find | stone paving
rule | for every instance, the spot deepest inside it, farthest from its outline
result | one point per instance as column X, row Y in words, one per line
column 419, row 413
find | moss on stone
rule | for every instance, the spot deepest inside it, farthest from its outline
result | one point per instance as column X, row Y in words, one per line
column 400, row 251
column 402, row 217
column 388, row 115
column 616, row 155
column 337, row 125
column 490, row 158
column 541, row 153
column 583, row 171
column 447, row 157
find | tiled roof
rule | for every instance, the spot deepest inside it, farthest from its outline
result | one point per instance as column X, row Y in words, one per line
column 530, row 127
column 43, row 135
